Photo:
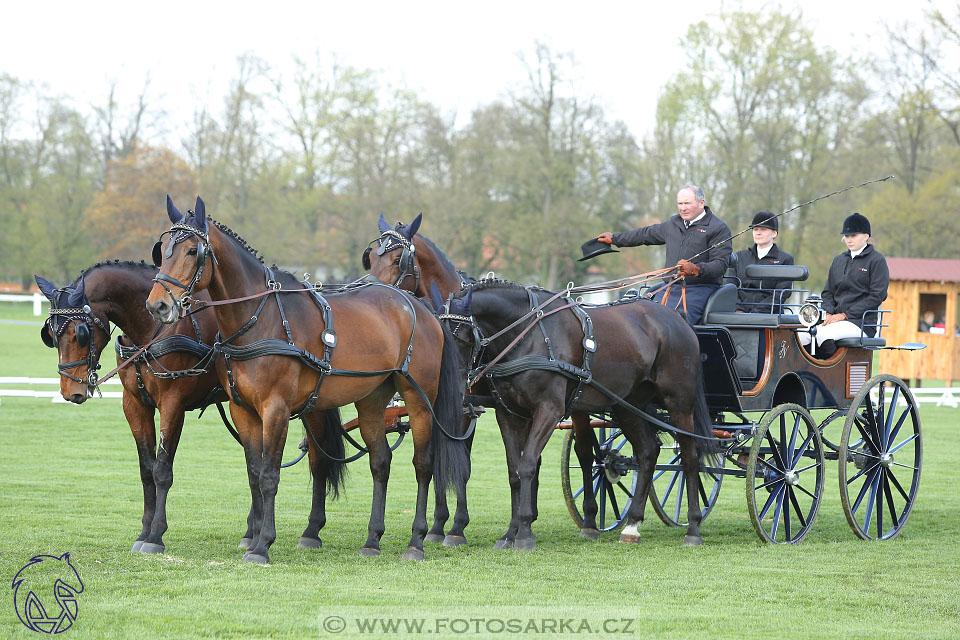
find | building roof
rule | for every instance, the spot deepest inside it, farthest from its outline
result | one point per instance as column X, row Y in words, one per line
column 924, row 269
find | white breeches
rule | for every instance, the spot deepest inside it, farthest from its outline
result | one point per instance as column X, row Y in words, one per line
column 832, row 331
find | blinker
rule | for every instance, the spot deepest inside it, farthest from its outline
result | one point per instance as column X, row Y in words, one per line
column 83, row 334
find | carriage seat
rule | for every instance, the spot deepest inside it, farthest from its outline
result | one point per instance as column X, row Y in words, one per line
column 721, row 309
column 863, row 342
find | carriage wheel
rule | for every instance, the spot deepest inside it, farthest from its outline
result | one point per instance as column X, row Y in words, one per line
column 880, row 458
column 831, row 430
column 614, row 477
column 784, row 475
column 668, row 491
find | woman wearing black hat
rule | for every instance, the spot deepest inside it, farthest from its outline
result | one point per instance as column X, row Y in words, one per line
column 757, row 296
column 857, row 283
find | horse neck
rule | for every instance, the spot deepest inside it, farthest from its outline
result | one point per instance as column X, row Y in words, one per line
column 120, row 293
column 238, row 273
column 433, row 269
column 494, row 309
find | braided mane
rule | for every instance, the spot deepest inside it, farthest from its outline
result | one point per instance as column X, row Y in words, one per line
column 497, row 283
column 236, row 236
column 114, row 263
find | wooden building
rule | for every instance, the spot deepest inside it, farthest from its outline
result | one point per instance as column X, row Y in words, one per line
column 924, row 297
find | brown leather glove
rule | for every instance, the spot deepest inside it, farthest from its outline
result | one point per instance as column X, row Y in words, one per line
column 687, row 268
column 606, row 237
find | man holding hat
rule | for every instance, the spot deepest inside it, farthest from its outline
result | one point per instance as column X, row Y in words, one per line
column 857, row 283
column 697, row 242
column 762, row 296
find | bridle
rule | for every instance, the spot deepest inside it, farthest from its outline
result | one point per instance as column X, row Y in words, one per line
column 178, row 233
column 390, row 240
column 85, row 338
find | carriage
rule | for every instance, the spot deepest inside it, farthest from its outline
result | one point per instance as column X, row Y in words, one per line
column 781, row 415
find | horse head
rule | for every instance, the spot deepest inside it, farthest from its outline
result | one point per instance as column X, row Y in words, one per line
column 394, row 260
column 78, row 334
column 183, row 260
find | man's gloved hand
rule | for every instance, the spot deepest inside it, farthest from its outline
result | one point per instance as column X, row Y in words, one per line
column 606, row 237
column 687, row 268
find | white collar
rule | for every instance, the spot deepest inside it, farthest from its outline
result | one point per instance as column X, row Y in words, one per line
column 763, row 252
column 854, row 254
column 690, row 224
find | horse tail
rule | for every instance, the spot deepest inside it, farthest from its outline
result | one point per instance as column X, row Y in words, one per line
column 451, row 458
column 707, row 450
column 330, row 466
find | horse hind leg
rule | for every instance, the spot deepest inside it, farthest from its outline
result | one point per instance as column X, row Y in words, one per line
column 646, row 448
column 461, row 518
column 583, row 446
column 370, row 412
column 421, row 427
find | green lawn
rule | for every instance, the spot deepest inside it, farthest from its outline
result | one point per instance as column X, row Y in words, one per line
column 69, row 482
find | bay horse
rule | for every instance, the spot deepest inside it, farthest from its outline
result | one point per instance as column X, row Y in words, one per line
column 412, row 262
column 170, row 377
column 275, row 357
column 569, row 360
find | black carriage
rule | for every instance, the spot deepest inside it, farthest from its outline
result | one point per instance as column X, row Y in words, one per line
column 763, row 389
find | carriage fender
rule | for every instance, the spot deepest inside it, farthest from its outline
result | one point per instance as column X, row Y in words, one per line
column 790, row 389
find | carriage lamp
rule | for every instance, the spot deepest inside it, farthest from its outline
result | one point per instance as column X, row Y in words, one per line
column 811, row 313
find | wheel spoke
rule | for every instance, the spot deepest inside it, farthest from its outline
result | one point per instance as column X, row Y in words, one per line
column 775, row 449
column 770, row 466
column 889, row 499
column 863, row 489
column 666, row 494
column 871, row 501
column 896, row 430
column 891, row 411
column 872, row 424
column 860, row 473
column 896, row 483
column 796, row 505
column 786, row 514
column 776, row 513
column 866, row 436
column 908, row 440
column 613, row 503
column 770, row 500
column 793, row 441
column 807, row 468
column 801, row 450
column 625, row 490
column 802, row 488
column 676, row 513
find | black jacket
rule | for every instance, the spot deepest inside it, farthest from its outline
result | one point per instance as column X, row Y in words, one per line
column 855, row 285
column 752, row 300
column 683, row 243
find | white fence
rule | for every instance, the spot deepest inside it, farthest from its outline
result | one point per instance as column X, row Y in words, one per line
column 53, row 394
column 37, row 300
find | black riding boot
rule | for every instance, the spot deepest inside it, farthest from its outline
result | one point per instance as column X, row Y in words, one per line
column 826, row 349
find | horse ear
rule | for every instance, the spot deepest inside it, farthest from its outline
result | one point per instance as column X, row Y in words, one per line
column 465, row 302
column 172, row 212
column 77, row 294
column 365, row 258
column 46, row 287
column 200, row 214
column 382, row 224
column 411, row 229
column 436, row 298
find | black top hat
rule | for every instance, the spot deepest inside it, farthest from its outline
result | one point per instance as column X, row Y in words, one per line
column 855, row 223
column 593, row 248
column 766, row 219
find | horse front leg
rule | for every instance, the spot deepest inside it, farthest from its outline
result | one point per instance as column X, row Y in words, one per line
column 421, row 426
column 646, row 448
column 310, row 538
column 140, row 418
column 276, row 419
column 171, row 426
column 691, row 466
column 461, row 518
column 512, row 429
column 544, row 422
column 370, row 412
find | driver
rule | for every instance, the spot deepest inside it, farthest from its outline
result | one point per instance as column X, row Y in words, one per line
column 695, row 233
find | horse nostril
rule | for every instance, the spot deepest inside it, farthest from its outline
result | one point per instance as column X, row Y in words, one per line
column 78, row 398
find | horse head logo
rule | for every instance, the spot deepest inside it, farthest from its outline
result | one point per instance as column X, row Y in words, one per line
column 45, row 593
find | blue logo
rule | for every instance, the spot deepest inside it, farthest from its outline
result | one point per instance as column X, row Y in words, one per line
column 45, row 593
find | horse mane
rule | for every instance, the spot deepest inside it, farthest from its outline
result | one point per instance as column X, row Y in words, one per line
column 441, row 256
column 236, row 236
column 497, row 283
column 113, row 263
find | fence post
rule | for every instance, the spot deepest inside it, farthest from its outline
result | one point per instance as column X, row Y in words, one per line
column 37, row 299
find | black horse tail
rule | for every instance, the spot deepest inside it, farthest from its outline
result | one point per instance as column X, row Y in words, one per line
column 331, row 467
column 707, row 450
column 451, row 457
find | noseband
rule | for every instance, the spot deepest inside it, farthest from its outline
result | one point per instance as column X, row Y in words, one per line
column 178, row 233
column 390, row 240
column 83, row 317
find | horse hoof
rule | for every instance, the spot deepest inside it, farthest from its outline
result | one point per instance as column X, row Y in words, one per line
column 454, row 541
column 630, row 534
column 692, row 541
column 245, row 543
column 433, row 537
column 369, row 551
column 150, row 547
column 503, row 543
column 412, row 553
column 593, row 534
column 256, row 558
column 525, row 544
column 309, row 543
column 136, row 546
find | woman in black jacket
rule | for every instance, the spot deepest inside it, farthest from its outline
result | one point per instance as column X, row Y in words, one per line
column 857, row 283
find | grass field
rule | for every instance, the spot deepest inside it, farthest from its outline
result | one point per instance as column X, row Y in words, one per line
column 69, row 482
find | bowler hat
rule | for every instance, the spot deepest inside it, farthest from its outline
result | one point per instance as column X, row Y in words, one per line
column 594, row 247
column 855, row 223
column 766, row 219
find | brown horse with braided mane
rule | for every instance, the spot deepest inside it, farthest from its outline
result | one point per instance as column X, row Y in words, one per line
column 305, row 351
column 171, row 376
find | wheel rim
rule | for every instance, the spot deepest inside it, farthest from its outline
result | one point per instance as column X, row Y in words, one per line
column 784, row 475
column 613, row 492
column 880, row 459
column 668, row 490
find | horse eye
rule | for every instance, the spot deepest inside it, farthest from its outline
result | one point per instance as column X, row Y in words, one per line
column 192, row 251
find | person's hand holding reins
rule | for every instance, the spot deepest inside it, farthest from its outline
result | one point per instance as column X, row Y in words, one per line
column 687, row 268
